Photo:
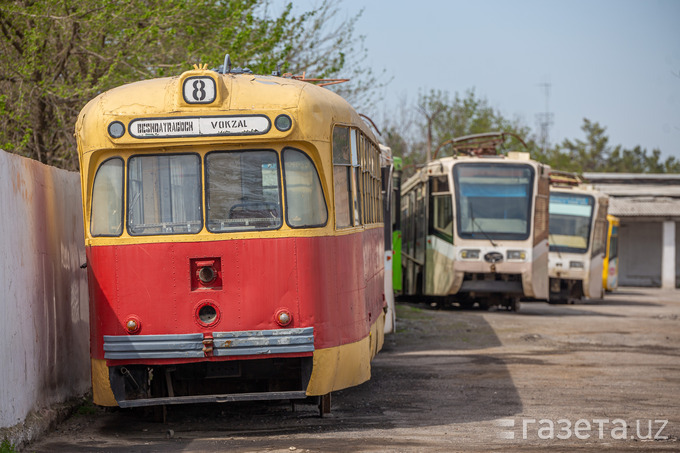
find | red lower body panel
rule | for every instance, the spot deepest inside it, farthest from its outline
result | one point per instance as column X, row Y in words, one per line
column 333, row 284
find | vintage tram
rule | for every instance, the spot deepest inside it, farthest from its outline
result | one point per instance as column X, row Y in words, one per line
column 234, row 240
column 578, row 233
column 610, row 268
column 475, row 226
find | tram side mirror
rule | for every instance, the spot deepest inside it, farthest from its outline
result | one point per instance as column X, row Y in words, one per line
column 84, row 265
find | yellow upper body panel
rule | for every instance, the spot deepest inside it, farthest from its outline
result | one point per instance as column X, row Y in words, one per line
column 314, row 109
column 188, row 113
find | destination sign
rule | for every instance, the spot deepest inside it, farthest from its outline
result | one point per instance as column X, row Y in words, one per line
column 205, row 126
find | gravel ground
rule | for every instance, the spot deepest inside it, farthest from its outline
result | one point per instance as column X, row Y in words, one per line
column 596, row 376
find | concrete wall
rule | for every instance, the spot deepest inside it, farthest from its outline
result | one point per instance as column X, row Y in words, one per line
column 44, row 324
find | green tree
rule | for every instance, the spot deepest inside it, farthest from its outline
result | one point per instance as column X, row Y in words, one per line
column 591, row 154
column 55, row 55
column 441, row 117
column 637, row 160
column 594, row 154
column 329, row 47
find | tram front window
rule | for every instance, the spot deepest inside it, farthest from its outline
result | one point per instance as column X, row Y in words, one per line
column 305, row 204
column 107, row 199
column 493, row 200
column 570, row 220
column 164, row 194
column 243, row 192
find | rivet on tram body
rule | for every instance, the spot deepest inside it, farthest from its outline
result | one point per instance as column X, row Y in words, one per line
column 133, row 325
column 283, row 317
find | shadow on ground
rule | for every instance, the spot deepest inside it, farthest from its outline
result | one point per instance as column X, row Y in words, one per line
column 419, row 379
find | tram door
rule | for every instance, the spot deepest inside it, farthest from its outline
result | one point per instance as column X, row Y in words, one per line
column 414, row 206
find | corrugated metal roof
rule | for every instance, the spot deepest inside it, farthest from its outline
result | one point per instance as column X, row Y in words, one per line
column 632, row 178
column 644, row 207
column 639, row 194
column 639, row 190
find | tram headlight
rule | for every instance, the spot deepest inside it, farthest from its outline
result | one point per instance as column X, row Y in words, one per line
column 207, row 274
column 518, row 255
column 470, row 254
column 116, row 129
column 283, row 123
column 207, row 313
column 576, row 264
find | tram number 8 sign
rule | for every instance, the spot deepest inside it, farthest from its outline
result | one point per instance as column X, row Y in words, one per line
column 199, row 90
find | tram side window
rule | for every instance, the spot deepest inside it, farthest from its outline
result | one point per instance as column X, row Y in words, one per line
column 614, row 243
column 365, row 178
column 441, row 208
column 407, row 223
column 107, row 199
column 243, row 191
column 371, row 184
column 441, row 220
column 342, row 177
column 600, row 236
column 376, row 182
column 356, row 175
column 305, row 204
column 164, row 194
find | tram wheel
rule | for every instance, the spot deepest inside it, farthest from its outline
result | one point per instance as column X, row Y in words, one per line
column 467, row 304
column 514, row 305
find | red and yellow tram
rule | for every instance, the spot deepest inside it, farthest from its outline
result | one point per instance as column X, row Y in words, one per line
column 234, row 237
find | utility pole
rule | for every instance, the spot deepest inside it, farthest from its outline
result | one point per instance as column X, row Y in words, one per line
column 430, row 116
column 545, row 119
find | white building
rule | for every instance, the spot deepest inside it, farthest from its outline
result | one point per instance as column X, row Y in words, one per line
column 649, row 208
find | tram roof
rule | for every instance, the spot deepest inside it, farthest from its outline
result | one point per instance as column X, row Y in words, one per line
column 237, row 94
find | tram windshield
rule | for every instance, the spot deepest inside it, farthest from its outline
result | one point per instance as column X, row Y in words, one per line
column 164, row 194
column 243, row 191
column 493, row 200
column 570, row 221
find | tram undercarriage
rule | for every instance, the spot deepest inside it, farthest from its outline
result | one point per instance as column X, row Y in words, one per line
column 563, row 291
column 217, row 382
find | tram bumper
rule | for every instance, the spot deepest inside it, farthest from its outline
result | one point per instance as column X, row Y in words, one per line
column 492, row 283
column 514, row 279
column 181, row 369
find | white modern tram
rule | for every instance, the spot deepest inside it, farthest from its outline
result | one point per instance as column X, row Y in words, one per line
column 578, row 232
column 475, row 226
column 387, row 169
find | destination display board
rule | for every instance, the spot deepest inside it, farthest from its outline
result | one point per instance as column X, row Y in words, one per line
column 206, row 126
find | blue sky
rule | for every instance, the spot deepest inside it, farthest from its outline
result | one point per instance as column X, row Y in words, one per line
column 616, row 62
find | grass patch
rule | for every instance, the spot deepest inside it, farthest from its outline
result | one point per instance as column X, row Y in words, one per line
column 86, row 408
column 411, row 312
column 7, row 447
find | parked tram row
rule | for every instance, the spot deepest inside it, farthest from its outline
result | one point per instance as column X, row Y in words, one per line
column 493, row 229
column 245, row 235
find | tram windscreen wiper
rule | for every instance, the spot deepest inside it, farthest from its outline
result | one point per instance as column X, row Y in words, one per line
column 481, row 230
column 557, row 247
